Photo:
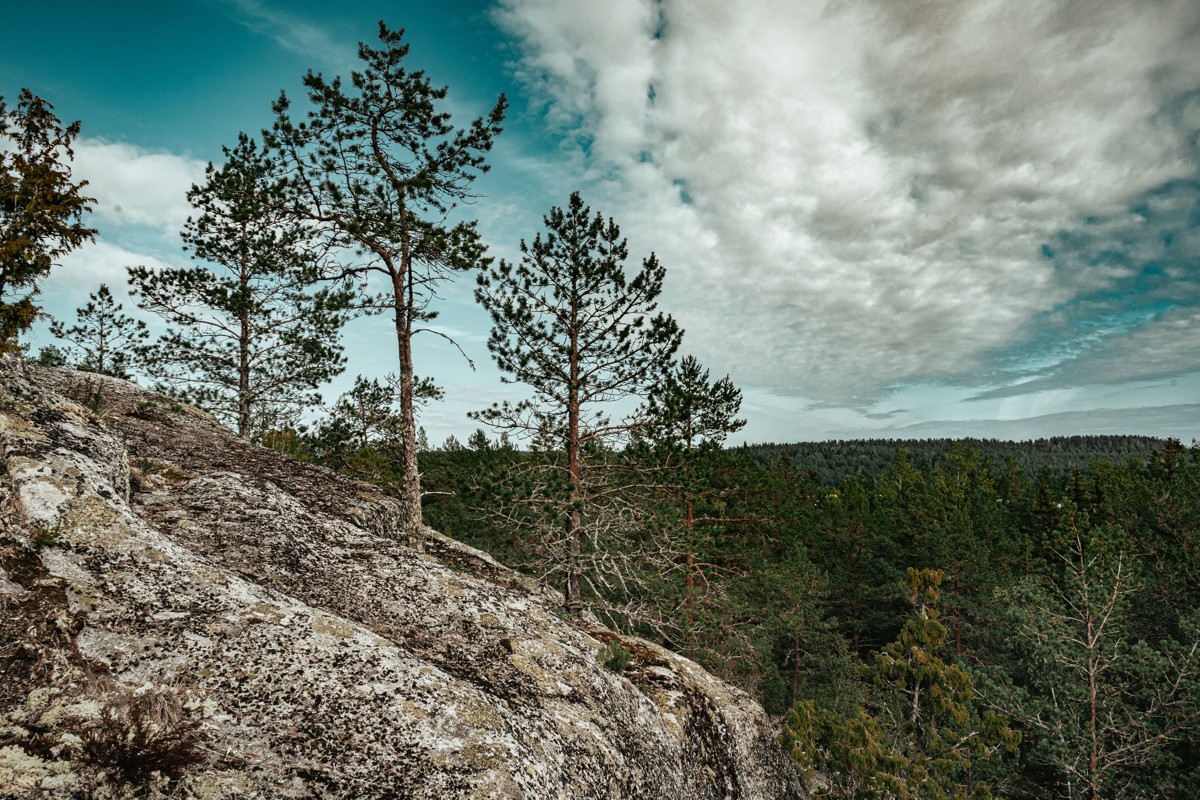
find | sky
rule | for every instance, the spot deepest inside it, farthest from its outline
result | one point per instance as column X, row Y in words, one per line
column 879, row 219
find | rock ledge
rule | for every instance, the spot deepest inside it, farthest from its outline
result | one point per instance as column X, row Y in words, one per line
column 253, row 625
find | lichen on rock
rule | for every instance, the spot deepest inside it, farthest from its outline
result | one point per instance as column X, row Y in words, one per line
column 310, row 651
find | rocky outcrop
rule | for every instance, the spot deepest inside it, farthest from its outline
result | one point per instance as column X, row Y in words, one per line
column 185, row 614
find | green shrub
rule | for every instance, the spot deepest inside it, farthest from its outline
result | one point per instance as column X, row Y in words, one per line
column 89, row 393
column 615, row 657
column 44, row 536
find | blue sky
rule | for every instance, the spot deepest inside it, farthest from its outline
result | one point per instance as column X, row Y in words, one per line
column 880, row 219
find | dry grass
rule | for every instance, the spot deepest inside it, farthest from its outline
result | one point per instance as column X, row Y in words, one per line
column 138, row 733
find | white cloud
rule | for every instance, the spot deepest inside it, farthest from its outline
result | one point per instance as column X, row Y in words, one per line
column 868, row 184
column 1178, row 421
column 1163, row 346
column 593, row 61
column 82, row 271
column 80, row 274
column 133, row 186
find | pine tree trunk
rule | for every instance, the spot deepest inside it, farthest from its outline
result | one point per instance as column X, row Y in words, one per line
column 1093, row 728
column 689, row 587
column 101, row 349
column 410, row 499
column 412, row 525
column 574, row 595
column 243, row 398
column 795, row 668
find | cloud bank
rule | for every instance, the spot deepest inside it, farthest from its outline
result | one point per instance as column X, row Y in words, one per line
column 140, row 207
column 134, row 186
column 853, row 195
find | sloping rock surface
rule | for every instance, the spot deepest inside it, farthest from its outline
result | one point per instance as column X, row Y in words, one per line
column 298, row 648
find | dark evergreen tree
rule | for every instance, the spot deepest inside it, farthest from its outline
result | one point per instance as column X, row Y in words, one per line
column 365, row 416
column 377, row 168
column 362, row 433
column 52, row 356
column 41, row 208
column 687, row 410
column 687, row 416
column 247, row 338
column 920, row 733
column 570, row 325
column 105, row 340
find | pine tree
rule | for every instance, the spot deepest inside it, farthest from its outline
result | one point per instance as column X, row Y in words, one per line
column 52, row 356
column 246, row 338
column 687, row 416
column 687, row 410
column 378, row 168
column 107, row 339
column 363, row 434
column 41, row 209
column 1104, row 707
column 571, row 326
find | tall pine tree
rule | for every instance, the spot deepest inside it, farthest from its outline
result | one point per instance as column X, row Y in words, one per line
column 247, row 339
column 571, row 326
column 377, row 168
column 1107, row 710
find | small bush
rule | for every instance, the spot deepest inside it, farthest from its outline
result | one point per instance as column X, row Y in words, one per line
column 52, row 356
column 89, row 393
column 615, row 657
column 143, row 408
column 45, row 535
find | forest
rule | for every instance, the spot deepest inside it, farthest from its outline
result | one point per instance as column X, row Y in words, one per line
column 1056, row 457
column 927, row 619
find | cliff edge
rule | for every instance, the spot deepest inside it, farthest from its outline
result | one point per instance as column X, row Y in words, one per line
column 185, row 614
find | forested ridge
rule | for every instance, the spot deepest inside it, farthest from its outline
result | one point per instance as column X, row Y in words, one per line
column 1056, row 456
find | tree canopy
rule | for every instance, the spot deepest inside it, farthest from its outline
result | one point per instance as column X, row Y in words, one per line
column 247, row 338
column 41, row 208
column 377, row 168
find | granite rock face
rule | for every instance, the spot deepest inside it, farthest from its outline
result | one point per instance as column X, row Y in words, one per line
column 172, row 596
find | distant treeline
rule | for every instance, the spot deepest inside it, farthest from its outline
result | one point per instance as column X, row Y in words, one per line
column 1053, row 458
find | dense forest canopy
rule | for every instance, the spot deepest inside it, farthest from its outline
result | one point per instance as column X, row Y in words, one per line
column 1056, row 456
